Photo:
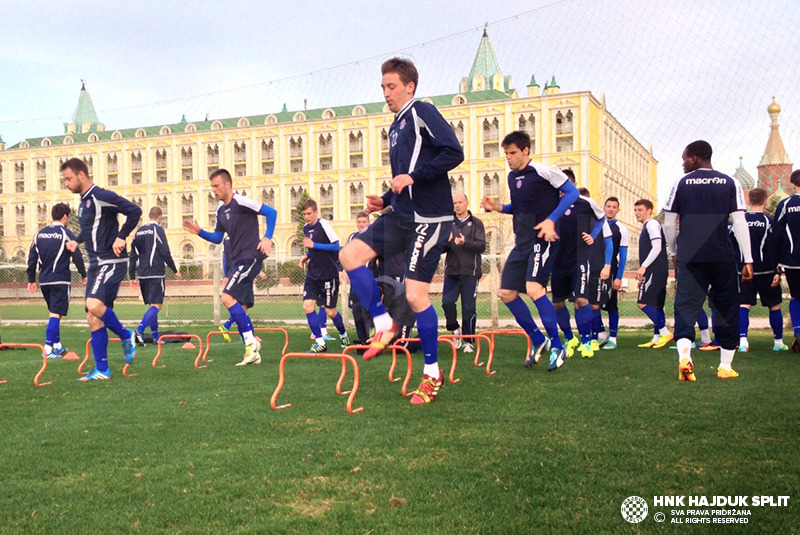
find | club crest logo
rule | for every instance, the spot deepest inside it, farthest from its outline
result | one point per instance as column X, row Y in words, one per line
column 227, row 215
column 88, row 203
column 568, row 212
column 519, row 184
column 402, row 124
column 634, row 509
column 469, row 224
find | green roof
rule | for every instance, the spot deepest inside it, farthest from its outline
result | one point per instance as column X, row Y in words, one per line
column 85, row 112
column 745, row 179
column 533, row 82
column 485, row 62
column 553, row 82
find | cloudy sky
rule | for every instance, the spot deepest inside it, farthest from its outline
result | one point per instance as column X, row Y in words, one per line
column 671, row 72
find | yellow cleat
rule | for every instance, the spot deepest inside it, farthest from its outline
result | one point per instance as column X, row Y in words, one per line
column 686, row 370
column 726, row 373
column 586, row 350
column 572, row 345
column 663, row 340
column 648, row 344
column 595, row 345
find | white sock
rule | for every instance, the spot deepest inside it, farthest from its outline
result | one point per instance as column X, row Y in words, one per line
column 383, row 322
column 684, row 349
column 612, row 339
column 248, row 337
column 602, row 335
column 664, row 331
column 705, row 336
column 743, row 341
column 324, row 331
column 778, row 342
column 725, row 358
column 57, row 345
column 431, row 370
column 320, row 341
column 47, row 349
column 656, row 337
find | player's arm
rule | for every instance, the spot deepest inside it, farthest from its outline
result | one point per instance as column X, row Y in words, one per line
column 671, row 232
column 655, row 246
column 33, row 261
column 333, row 238
column 625, row 239
column 570, row 195
column 742, row 234
column 608, row 242
column 213, row 237
column 477, row 241
column 77, row 257
column 164, row 250
column 443, row 140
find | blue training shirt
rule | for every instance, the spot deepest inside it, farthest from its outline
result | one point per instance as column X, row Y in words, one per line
column 579, row 218
column 49, row 254
column 239, row 220
column 97, row 214
column 323, row 263
column 534, row 196
column 786, row 233
column 150, row 252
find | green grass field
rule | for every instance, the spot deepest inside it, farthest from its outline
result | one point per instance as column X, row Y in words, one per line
column 177, row 450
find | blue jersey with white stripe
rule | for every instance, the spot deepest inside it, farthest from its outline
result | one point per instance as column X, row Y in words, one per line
column 97, row 214
column 150, row 252
column 239, row 220
column 49, row 254
column 786, row 233
column 534, row 196
column 423, row 145
column 322, row 265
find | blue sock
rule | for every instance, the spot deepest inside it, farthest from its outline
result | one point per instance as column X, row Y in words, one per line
column 547, row 313
column 154, row 328
column 662, row 320
column 51, row 334
column 613, row 323
column 794, row 313
column 366, row 289
column 776, row 322
column 111, row 322
column 524, row 319
column 652, row 313
column 228, row 323
column 241, row 318
column 702, row 320
column 562, row 318
column 597, row 323
column 583, row 317
column 147, row 319
column 428, row 329
column 338, row 322
column 322, row 318
column 313, row 323
column 744, row 321
column 100, row 348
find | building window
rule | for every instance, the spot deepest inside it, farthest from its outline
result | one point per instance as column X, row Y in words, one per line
column 491, row 186
column 2, row 180
column 528, row 124
column 458, row 129
column 325, row 152
column 457, row 184
column 356, row 150
column 564, row 132
column 295, row 194
column 2, row 222
column 213, row 203
column 294, row 249
column 356, row 200
column 138, row 202
column 326, row 202
column 491, row 138
column 385, row 187
column 187, row 164
column 187, row 251
column 212, row 158
column 163, row 203
column 136, row 167
column 267, row 157
column 112, row 173
column 296, row 155
column 41, row 175
column 41, row 216
column 385, row 161
column 89, row 164
column 20, row 210
column 187, row 207
column 19, row 177
column 161, row 165
column 239, row 159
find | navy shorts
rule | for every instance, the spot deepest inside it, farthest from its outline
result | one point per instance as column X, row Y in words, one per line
column 423, row 243
column 152, row 291
column 57, row 297
column 793, row 280
column 610, row 304
column 103, row 282
column 563, row 283
column 324, row 293
column 761, row 286
column 241, row 276
column 653, row 288
column 533, row 263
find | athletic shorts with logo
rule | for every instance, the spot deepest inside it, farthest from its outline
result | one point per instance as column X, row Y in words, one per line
column 653, row 288
column 241, row 276
column 533, row 263
column 324, row 293
column 152, row 290
column 103, row 281
column 57, row 297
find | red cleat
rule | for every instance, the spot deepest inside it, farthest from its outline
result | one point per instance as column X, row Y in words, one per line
column 428, row 389
column 380, row 341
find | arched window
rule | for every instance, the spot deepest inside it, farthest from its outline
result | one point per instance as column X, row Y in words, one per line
column 458, row 129
column 187, row 251
column 212, row 158
column 356, row 199
column 491, row 138
column 163, row 203
column 296, row 154
column 356, row 149
column 187, row 164
column 384, row 187
column 326, row 202
column 187, row 207
column 41, row 175
column 385, row 161
column 136, row 167
column 267, row 157
column 325, row 152
column 240, row 159
column 457, row 184
column 211, row 213
column 161, row 165
column 491, row 186
column 268, row 197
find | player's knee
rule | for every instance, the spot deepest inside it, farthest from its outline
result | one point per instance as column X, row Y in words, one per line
column 309, row 306
column 641, row 306
column 581, row 302
column 536, row 291
column 558, row 305
column 331, row 312
column 506, row 296
column 418, row 302
column 95, row 307
column 227, row 300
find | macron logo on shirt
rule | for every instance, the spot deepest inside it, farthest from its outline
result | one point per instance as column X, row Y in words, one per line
column 704, row 181
column 793, row 209
column 54, row 236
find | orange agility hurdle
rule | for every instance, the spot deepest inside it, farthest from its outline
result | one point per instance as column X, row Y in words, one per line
column 258, row 329
column 492, row 333
column 446, row 341
column 41, row 370
column 392, row 378
column 477, row 338
column 343, row 356
column 173, row 336
column 89, row 354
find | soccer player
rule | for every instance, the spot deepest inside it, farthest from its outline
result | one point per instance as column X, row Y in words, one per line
column 536, row 208
column 703, row 200
column 423, row 149
column 322, row 279
column 786, row 232
column 462, row 270
column 581, row 264
column 766, row 281
column 247, row 302
column 47, row 254
column 620, row 237
column 653, row 273
column 237, row 217
column 362, row 222
column 149, row 254
column 105, row 246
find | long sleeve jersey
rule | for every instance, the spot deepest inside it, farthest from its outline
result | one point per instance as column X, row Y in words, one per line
column 97, row 214
column 48, row 254
column 465, row 259
column 150, row 253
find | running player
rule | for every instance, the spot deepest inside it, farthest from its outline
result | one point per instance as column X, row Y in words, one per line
column 653, row 273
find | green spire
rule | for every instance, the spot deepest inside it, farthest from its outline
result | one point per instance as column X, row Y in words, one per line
column 284, row 110
column 485, row 62
column 85, row 112
column 533, row 82
column 745, row 179
column 553, row 82
column 183, row 119
column 1, row 139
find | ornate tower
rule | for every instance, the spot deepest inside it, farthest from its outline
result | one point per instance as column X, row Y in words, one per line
column 485, row 73
column 85, row 119
column 775, row 167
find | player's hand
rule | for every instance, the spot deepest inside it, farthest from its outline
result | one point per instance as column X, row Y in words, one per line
column 303, row 261
column 84, row 280
column 374, row 204
column 400, row 182
column 587, row 238
column 118, row 247
column 776, row 280
column 747, row 273
column 616, row 285
column 225, row 281
column 547, row 230
column 490, row 205
column 308, row 243
column 178, row 275
column 262, row 276
column 605, row 273
column 71, row 246
column 459, row 240
column 191, row 226
column 32, row 287
column 134, row 284
column 265, row 246
column 640, row 273
column 675, row 265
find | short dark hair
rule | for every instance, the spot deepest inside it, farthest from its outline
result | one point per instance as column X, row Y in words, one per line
column 404, row 68
column 309, row 203
column 699, row 149
column 795, row 178
column 570, row 175
column 757, row 196
column 60, row 210
column 647, row 203
column 155, row 212
column 362, row 214
column 584, row 192
column 519, row 138
column 226, row 176
column 611, row 199
column 76, row 165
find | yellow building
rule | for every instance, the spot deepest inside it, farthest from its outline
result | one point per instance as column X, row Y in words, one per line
column 338, row 155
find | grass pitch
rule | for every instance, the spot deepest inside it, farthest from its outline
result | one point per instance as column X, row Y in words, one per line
column 179, row 450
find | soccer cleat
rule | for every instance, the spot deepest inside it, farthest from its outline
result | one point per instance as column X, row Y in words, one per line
column 710, row 346
column 703, row 345
column 663, row 340
column 595, row 345
column 796, row 344
column 648, row 344
column 428, row 389
column 129, row 348
column 316, row 348
column 327, row 337
column 138, row 338
column 380, row 341
column 225, row 335
column 468, row 348
column 744, row 349
column 686, row 370
column 587, row 351
column 344, row 339
column 726, row 373
column 458, row 342
column 602, row 340
column 96, row 375
column 251, row 354
column 572, row 345
column 780, row 347
column 54, row 354
column 609, row 344
column 557, row 359
column 537, row 352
